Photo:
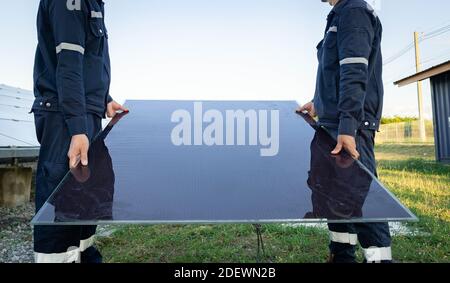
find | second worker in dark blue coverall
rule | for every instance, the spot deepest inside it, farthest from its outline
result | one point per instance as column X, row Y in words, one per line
column 348, row 102
column 72, row 75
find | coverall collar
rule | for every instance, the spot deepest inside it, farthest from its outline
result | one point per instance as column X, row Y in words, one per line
column 336, row 9
column 339, row 6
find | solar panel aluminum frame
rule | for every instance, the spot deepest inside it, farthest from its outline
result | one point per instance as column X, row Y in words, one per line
column 36, row 220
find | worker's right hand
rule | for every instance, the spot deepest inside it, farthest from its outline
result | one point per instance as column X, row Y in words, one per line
column 308, row 107
column 78, row 151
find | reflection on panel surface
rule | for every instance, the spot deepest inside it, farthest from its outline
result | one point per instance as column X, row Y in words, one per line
column 137, row 174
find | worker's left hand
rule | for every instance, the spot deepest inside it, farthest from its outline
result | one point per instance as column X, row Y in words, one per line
column 113, row 108
column 309, row 109
column 349, row 144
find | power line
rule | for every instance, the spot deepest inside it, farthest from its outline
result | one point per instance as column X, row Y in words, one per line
column 407, row 71
column 425, row 36
column 446, row 53
column 395, row 77
column 399, row 54
column 437, row 26
column 435, row 33
column 446, row 26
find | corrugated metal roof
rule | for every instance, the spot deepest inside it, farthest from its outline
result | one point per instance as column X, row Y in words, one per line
column 428, row 73
column 16, row 124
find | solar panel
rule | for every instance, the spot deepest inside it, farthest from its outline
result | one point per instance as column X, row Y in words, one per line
column 186, row 162
column 16, row 123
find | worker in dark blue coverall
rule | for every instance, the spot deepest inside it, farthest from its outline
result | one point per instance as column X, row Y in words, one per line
column 349, row 101
column 71, row 86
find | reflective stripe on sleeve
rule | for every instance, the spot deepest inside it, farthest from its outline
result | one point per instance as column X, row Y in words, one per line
column 86, row 244
column 344, row 238
column 95, row 14
column 354, row 60
column 69, row 46
column 374, row 254
column 333, row 29
column 72, row 255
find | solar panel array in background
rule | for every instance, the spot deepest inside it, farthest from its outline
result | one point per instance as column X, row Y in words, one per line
column 16, row 124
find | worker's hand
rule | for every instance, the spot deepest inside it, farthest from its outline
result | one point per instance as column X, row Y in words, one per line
column 113, row 108
column 348, row 143
column 78, row 151
column 308, row 107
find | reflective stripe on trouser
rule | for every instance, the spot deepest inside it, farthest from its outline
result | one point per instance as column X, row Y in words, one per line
column 58, row 243
column 375, row 238
column 86, row 244
column 374, row 254
column 72, row 255
column 344, row 238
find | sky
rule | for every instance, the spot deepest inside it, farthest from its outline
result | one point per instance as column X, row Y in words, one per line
column 229, row 49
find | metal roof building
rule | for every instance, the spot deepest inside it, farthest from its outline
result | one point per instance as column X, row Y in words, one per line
column 440, row 91
column 17, row 133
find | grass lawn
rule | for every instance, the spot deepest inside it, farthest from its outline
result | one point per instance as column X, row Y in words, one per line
column 419, row 183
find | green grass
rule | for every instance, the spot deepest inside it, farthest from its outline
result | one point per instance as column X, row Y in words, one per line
column 404, row 152
column 424, row 187
column 408, row 170
column 208, row 244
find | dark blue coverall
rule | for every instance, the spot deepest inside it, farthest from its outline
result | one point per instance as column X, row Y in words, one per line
column 71, row 86
column 349, row 101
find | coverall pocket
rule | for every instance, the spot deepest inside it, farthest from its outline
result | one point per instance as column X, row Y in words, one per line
column 319, row 48
column 330, row 40
column 330, row 64
column 319, row 45
column 97, row 28
column 330, row 52
column 98, row 33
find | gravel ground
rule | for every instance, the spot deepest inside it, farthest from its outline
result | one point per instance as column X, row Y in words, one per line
column 16, row 241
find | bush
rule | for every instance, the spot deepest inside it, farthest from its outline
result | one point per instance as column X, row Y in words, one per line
column 397, row 119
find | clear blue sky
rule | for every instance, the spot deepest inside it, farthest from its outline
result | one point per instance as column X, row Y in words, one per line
column 227, row 49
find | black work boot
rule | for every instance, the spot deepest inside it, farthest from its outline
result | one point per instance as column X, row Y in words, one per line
column 91, row 255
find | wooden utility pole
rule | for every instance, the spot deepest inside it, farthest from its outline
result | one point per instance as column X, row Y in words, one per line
column 423, row 136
